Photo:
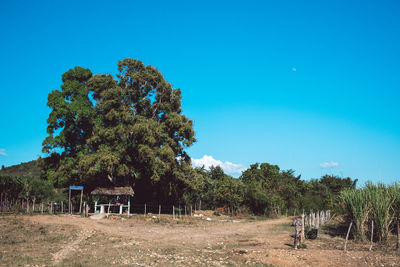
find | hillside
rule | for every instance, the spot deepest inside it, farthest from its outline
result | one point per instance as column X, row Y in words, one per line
column 29, row 168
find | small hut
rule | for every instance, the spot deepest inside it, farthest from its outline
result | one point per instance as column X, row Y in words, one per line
column 113, row 191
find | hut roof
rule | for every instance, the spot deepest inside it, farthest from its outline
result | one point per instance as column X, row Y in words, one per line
column 113, row 191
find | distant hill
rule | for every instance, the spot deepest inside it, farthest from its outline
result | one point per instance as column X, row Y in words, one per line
column 29, row 168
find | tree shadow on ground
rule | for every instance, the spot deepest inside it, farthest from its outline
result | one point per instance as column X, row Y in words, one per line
column 339, row 229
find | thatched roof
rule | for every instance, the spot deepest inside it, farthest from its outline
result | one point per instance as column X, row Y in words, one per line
column 113, row 191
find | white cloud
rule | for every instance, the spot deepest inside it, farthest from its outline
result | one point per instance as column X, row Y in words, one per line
column 3, row 152
column 228, row 167
column 294, row 69
column 331, row 164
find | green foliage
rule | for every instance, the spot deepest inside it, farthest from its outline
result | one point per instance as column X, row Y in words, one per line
column 221, row 190
column 381, row 199
column 268, row 189
column 322, row 194
column 130, row 130
column 30, row 169
column 127, row 130
column 356, row 206
column 379, row 203
column 26, row 188
column 302, row 246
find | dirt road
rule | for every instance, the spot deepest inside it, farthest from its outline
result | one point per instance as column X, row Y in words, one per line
column 140, row 241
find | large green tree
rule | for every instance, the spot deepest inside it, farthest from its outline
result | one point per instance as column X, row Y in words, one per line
column 123, row 130
column 268, row 189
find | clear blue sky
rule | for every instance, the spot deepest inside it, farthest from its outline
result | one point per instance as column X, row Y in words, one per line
column 312, row 86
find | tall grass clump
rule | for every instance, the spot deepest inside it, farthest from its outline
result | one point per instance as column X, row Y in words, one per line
column 374, row 202
column 356, row 208
column 381, row 199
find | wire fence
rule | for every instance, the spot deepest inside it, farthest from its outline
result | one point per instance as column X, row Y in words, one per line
column 27, row 206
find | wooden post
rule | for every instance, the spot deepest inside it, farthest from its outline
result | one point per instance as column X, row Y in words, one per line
column 145, row 209
column 33, row 205
column 86, row 210
column 41, row 208
column 185, row 210
column 321, row 219
column 302, row 227
column 108, row 210
column 69, row 202
column 80, row 203
column 159, row 211
column 173, row 212
column 398, row 235
column 312, row 220
column 200, row 205
column 317, row 221
column 191, row 211
column 347, row 236
column 179, row 211
column 372, row 234
column 297, row 234
column 129, row 206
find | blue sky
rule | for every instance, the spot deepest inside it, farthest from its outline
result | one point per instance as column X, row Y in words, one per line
column 309, row 85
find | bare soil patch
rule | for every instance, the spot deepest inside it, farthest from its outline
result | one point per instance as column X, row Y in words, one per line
column 63, row 240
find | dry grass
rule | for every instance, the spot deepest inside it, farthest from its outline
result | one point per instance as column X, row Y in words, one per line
column 70, row 241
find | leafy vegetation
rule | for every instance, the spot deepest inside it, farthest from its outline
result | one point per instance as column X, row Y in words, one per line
column 378, row 203
column 129, row 130
column 30, row 168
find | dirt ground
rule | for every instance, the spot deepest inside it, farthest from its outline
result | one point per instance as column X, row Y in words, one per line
column 64, row 240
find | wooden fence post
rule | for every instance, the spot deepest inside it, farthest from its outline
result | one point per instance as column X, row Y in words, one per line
column 398, row 235
column 347, row 236
column 173, row 212
column 302, row 227
column 317, row 220
column 69, row 202
column 159, row 211
column 372, row 234
column 80, row 203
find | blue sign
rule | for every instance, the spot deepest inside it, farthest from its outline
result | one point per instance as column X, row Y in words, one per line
column 75, row 187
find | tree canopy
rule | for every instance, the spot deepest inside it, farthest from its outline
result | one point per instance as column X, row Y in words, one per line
column 123, row 130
